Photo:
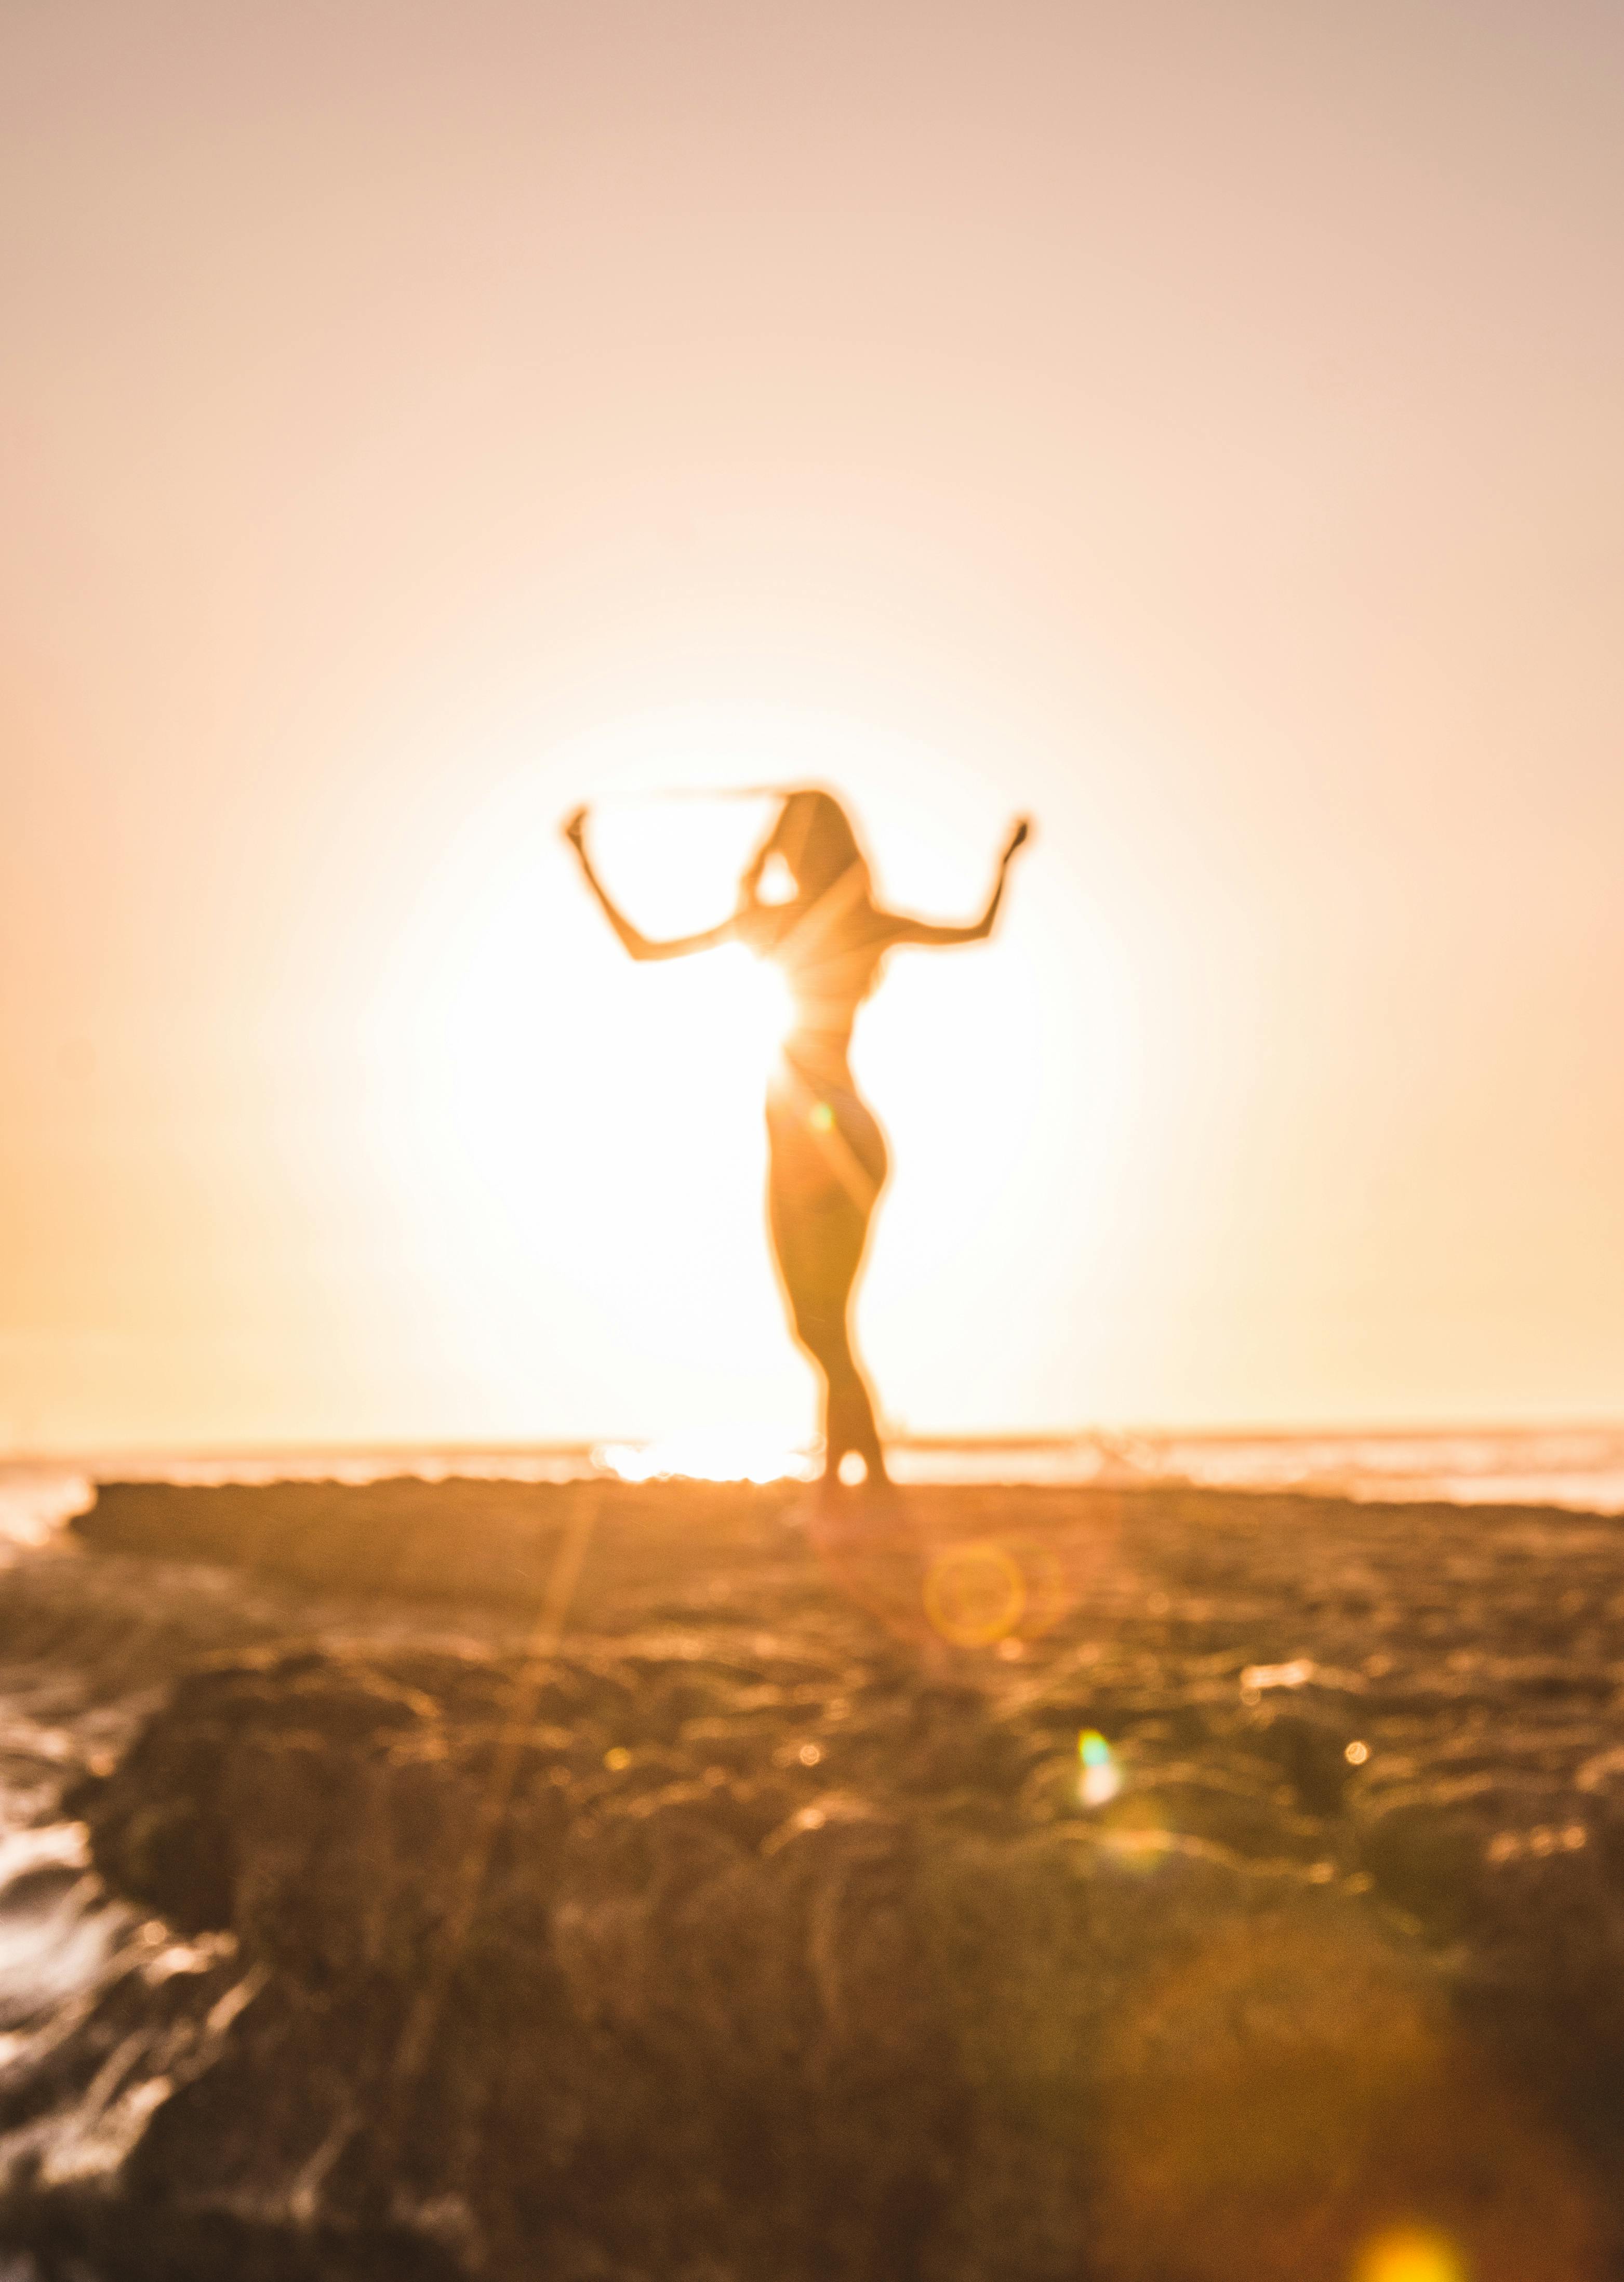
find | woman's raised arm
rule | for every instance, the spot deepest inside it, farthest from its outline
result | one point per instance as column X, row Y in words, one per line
column 636, row 941
column 938, row 937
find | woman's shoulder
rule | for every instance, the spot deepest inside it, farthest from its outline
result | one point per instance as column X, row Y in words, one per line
column 758, row 926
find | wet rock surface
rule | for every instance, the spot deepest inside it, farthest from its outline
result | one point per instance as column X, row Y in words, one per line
column 765, row 1922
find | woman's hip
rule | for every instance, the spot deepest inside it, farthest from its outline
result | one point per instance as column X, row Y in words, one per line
column 825, row 1139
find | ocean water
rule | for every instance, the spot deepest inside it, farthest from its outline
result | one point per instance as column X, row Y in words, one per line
column 1581, row 1468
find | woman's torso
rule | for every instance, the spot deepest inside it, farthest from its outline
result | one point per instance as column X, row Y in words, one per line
column 830, row 958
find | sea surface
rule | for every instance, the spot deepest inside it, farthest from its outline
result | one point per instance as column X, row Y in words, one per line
column 1581, row 1468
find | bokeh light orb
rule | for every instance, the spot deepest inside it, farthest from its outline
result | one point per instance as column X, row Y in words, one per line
column 975, row 1595
column 1099, row 1776
column 1411, row 2254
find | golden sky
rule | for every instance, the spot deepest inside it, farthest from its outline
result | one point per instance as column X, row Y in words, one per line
column 1197, row 424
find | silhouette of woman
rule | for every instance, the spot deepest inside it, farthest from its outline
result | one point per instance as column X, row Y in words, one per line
column 826, row 1160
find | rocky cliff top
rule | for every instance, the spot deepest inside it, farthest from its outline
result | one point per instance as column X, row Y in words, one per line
column 1013, row 1885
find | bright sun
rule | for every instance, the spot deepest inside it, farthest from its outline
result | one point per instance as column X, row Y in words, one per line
column 738, row 1008
column 572, row 1145
column 581, row 1136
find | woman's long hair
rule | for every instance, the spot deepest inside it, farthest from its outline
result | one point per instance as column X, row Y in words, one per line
column 813, row 839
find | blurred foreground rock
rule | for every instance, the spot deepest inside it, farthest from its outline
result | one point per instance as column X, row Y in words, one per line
column 799, row 1953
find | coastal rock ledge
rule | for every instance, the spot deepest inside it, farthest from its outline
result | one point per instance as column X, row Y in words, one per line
column 696, row 1949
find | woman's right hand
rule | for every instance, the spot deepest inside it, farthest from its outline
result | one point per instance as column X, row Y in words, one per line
column 1020, row 833
column 574, row 828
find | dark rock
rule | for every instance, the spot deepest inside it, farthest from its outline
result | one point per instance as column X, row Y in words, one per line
column 720, row 1945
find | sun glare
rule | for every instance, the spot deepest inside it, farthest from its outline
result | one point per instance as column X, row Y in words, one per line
column 574, row 1144
column 741, row 1008
column 721, row 1455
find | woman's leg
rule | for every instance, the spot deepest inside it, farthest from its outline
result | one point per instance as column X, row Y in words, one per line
column 818, row 1242
column 848, row 1412
column 826, row 1168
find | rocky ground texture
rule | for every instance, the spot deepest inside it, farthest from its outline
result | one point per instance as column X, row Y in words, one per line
column 742, row 1911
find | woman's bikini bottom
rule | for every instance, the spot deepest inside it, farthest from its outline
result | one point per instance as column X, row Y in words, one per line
column 827, row 1150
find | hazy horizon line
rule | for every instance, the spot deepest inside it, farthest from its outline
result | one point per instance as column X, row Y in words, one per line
column 1034, row 1439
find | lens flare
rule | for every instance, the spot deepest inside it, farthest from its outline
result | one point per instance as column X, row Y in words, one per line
column 975, row 1595
column 1099, row 1777
column 1411, row 2254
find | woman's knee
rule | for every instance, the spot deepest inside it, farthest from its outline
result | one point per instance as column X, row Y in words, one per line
column 825, row 1337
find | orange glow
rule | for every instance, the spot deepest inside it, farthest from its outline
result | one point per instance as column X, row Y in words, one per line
column 1411, row 2254
column 720, row 1456
column 975, row 1595
column 1203, row 438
